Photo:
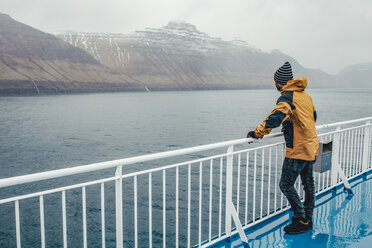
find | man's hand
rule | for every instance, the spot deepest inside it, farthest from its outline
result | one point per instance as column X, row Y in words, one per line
column 251, row 134
column 248, row 136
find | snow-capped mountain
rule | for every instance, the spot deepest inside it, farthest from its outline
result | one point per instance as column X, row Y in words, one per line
column 179, row 56
column 175, row 38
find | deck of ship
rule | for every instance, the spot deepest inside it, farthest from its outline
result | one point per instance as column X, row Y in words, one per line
column 340, row 220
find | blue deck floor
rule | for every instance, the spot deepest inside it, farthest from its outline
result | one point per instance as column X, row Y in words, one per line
column 339, row 221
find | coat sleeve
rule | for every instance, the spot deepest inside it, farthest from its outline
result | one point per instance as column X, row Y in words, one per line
column 281, row 112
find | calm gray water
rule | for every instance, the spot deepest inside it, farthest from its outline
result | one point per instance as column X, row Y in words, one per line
column 52, row 132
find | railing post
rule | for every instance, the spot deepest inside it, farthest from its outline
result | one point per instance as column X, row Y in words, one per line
column 230, row 208
column 119, row 206
column 229, row 175
column 336, row 166
column 366, row 144
column 335, row 156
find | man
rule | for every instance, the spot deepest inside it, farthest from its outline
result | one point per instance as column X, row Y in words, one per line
column 296, row 112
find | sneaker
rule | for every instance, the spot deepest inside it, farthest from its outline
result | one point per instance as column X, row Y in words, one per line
column 310, row 221
column 298, row 225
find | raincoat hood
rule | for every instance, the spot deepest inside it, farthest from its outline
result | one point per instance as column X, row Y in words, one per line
column 298, row 85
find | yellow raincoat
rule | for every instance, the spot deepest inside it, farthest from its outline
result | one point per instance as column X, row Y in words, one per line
column 296, row 112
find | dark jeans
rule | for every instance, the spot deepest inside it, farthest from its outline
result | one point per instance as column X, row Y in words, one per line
column 291, row 169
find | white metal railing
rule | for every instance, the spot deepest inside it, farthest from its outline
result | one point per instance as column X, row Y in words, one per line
column 196, row 200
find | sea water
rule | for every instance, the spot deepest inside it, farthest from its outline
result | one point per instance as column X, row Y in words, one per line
column 53, row 132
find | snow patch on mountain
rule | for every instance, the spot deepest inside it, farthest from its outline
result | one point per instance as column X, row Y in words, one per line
column 175, row 34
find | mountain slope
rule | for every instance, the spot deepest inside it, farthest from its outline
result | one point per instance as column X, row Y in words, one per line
column 34, row 62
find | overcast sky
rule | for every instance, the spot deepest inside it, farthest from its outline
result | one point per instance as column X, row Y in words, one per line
column 321, row 34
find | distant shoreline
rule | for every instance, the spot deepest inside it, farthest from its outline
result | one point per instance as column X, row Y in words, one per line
column 33, row 93
column 53, row 91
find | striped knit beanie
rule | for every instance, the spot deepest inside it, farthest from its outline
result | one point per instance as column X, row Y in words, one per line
column 283, row 74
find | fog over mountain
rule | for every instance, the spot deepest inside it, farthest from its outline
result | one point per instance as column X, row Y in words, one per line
column 175, row 57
